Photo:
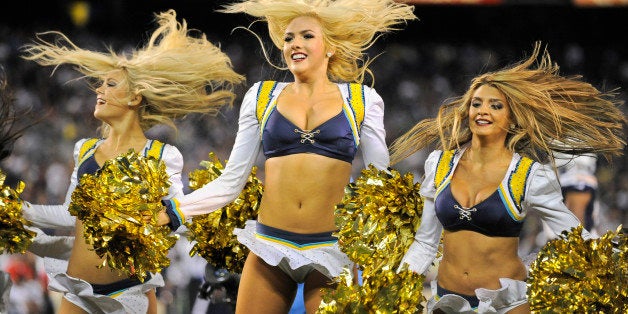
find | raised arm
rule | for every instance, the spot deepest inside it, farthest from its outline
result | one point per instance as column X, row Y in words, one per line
column 55, row 216
column 229, row 185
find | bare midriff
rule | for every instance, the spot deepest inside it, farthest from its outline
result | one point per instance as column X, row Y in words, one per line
column 472, row 260
column 84, row 262
column 301, row 192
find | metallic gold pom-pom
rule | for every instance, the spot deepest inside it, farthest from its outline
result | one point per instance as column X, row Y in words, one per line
column 573, row 275
column 377, row 220
column 213, row 232
column 118, row 207
column 14, row 237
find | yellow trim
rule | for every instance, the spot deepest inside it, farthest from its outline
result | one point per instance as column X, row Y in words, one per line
column 87, row 149
column 443, row 168
column 155, row 150
column 292, row 245
column 357, row 103
column 117, row 293
column 177, row 209
column 510, row 204
column 263, row 106
column 518, row 178
column 443, row 185
column 354, row 110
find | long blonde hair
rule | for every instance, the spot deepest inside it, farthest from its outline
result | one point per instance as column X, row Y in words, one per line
column 176, row 72
column 550, row 113
column 349, row 26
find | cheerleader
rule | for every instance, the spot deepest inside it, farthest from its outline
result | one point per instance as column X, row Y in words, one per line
column 167, row 78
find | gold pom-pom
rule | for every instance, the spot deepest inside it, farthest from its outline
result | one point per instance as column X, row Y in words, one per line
column 573, row 275
column 14, row 237
column 377, row 220
column 383, row 291
column 213, row 232
column 113, row 205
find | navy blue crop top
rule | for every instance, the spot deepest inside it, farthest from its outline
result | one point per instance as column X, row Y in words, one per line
column 490, row 217
column 89, row 166
column 333, row 138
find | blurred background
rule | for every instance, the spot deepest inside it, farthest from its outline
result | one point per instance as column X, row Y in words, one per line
column 416, row 68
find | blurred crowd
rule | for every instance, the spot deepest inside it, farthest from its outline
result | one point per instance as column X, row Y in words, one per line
column 413, row 78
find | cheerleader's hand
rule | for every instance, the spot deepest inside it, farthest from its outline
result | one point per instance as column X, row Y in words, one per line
column 410, row 259
column 403, row 265
column 163, row 218
column 168, row 216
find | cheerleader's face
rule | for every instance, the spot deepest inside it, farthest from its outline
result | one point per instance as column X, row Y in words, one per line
column 112, row 97
column 304, row 48
column 489, row 113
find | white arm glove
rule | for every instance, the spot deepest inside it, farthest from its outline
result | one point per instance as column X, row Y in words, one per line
column 44, row 245
column 423, row 250
column 544, row 195
column 226, row 188
column 55, row 216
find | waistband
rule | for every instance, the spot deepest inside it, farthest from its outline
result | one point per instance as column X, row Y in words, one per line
column 297, row 240
column 116, row 287
column 473, row 300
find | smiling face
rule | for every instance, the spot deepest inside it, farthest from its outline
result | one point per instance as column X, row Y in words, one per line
column 112, row 97
column 489, row 113
column 304, row 48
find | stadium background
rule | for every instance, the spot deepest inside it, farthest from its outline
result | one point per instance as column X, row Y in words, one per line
column 426, row 62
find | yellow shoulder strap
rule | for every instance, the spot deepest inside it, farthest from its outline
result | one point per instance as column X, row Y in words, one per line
column 518, row 179
column 86, row 149
column 263, row 99
column 354, row 109
column 356, row 98
column 155, row 150
column 443, row 168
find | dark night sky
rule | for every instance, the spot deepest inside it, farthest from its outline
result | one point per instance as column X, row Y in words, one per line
column 490, row 24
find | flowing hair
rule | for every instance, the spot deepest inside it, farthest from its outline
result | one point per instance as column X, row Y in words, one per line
column 550, row 113
column 9, row 116
column 349, row 26
column 177, row 72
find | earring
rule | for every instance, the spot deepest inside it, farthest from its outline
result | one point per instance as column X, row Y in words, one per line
column 329, row 54
column 130, row 104
column 512, row 126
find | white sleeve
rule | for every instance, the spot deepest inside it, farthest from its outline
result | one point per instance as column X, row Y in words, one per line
column 423, row 250
column 226, row 188
column 372, row 133
column 55, row 216
column 54, row 246
column 174, row 167
column 543, row 194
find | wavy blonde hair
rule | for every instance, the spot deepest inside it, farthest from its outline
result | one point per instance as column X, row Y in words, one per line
column 349, row 26
column 549, row 113
column 176, row 73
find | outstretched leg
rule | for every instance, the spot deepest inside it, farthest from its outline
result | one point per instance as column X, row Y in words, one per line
column 312, row 294
column 67, row 307
column 264, row 288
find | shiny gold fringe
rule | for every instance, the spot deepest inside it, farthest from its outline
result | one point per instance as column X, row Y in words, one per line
column 377, row 220
column 14, row 237
column 573, row 275
column 118, row 207
column 213, row 232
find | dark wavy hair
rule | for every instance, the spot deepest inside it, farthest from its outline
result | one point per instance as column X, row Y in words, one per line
column 9, row 115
